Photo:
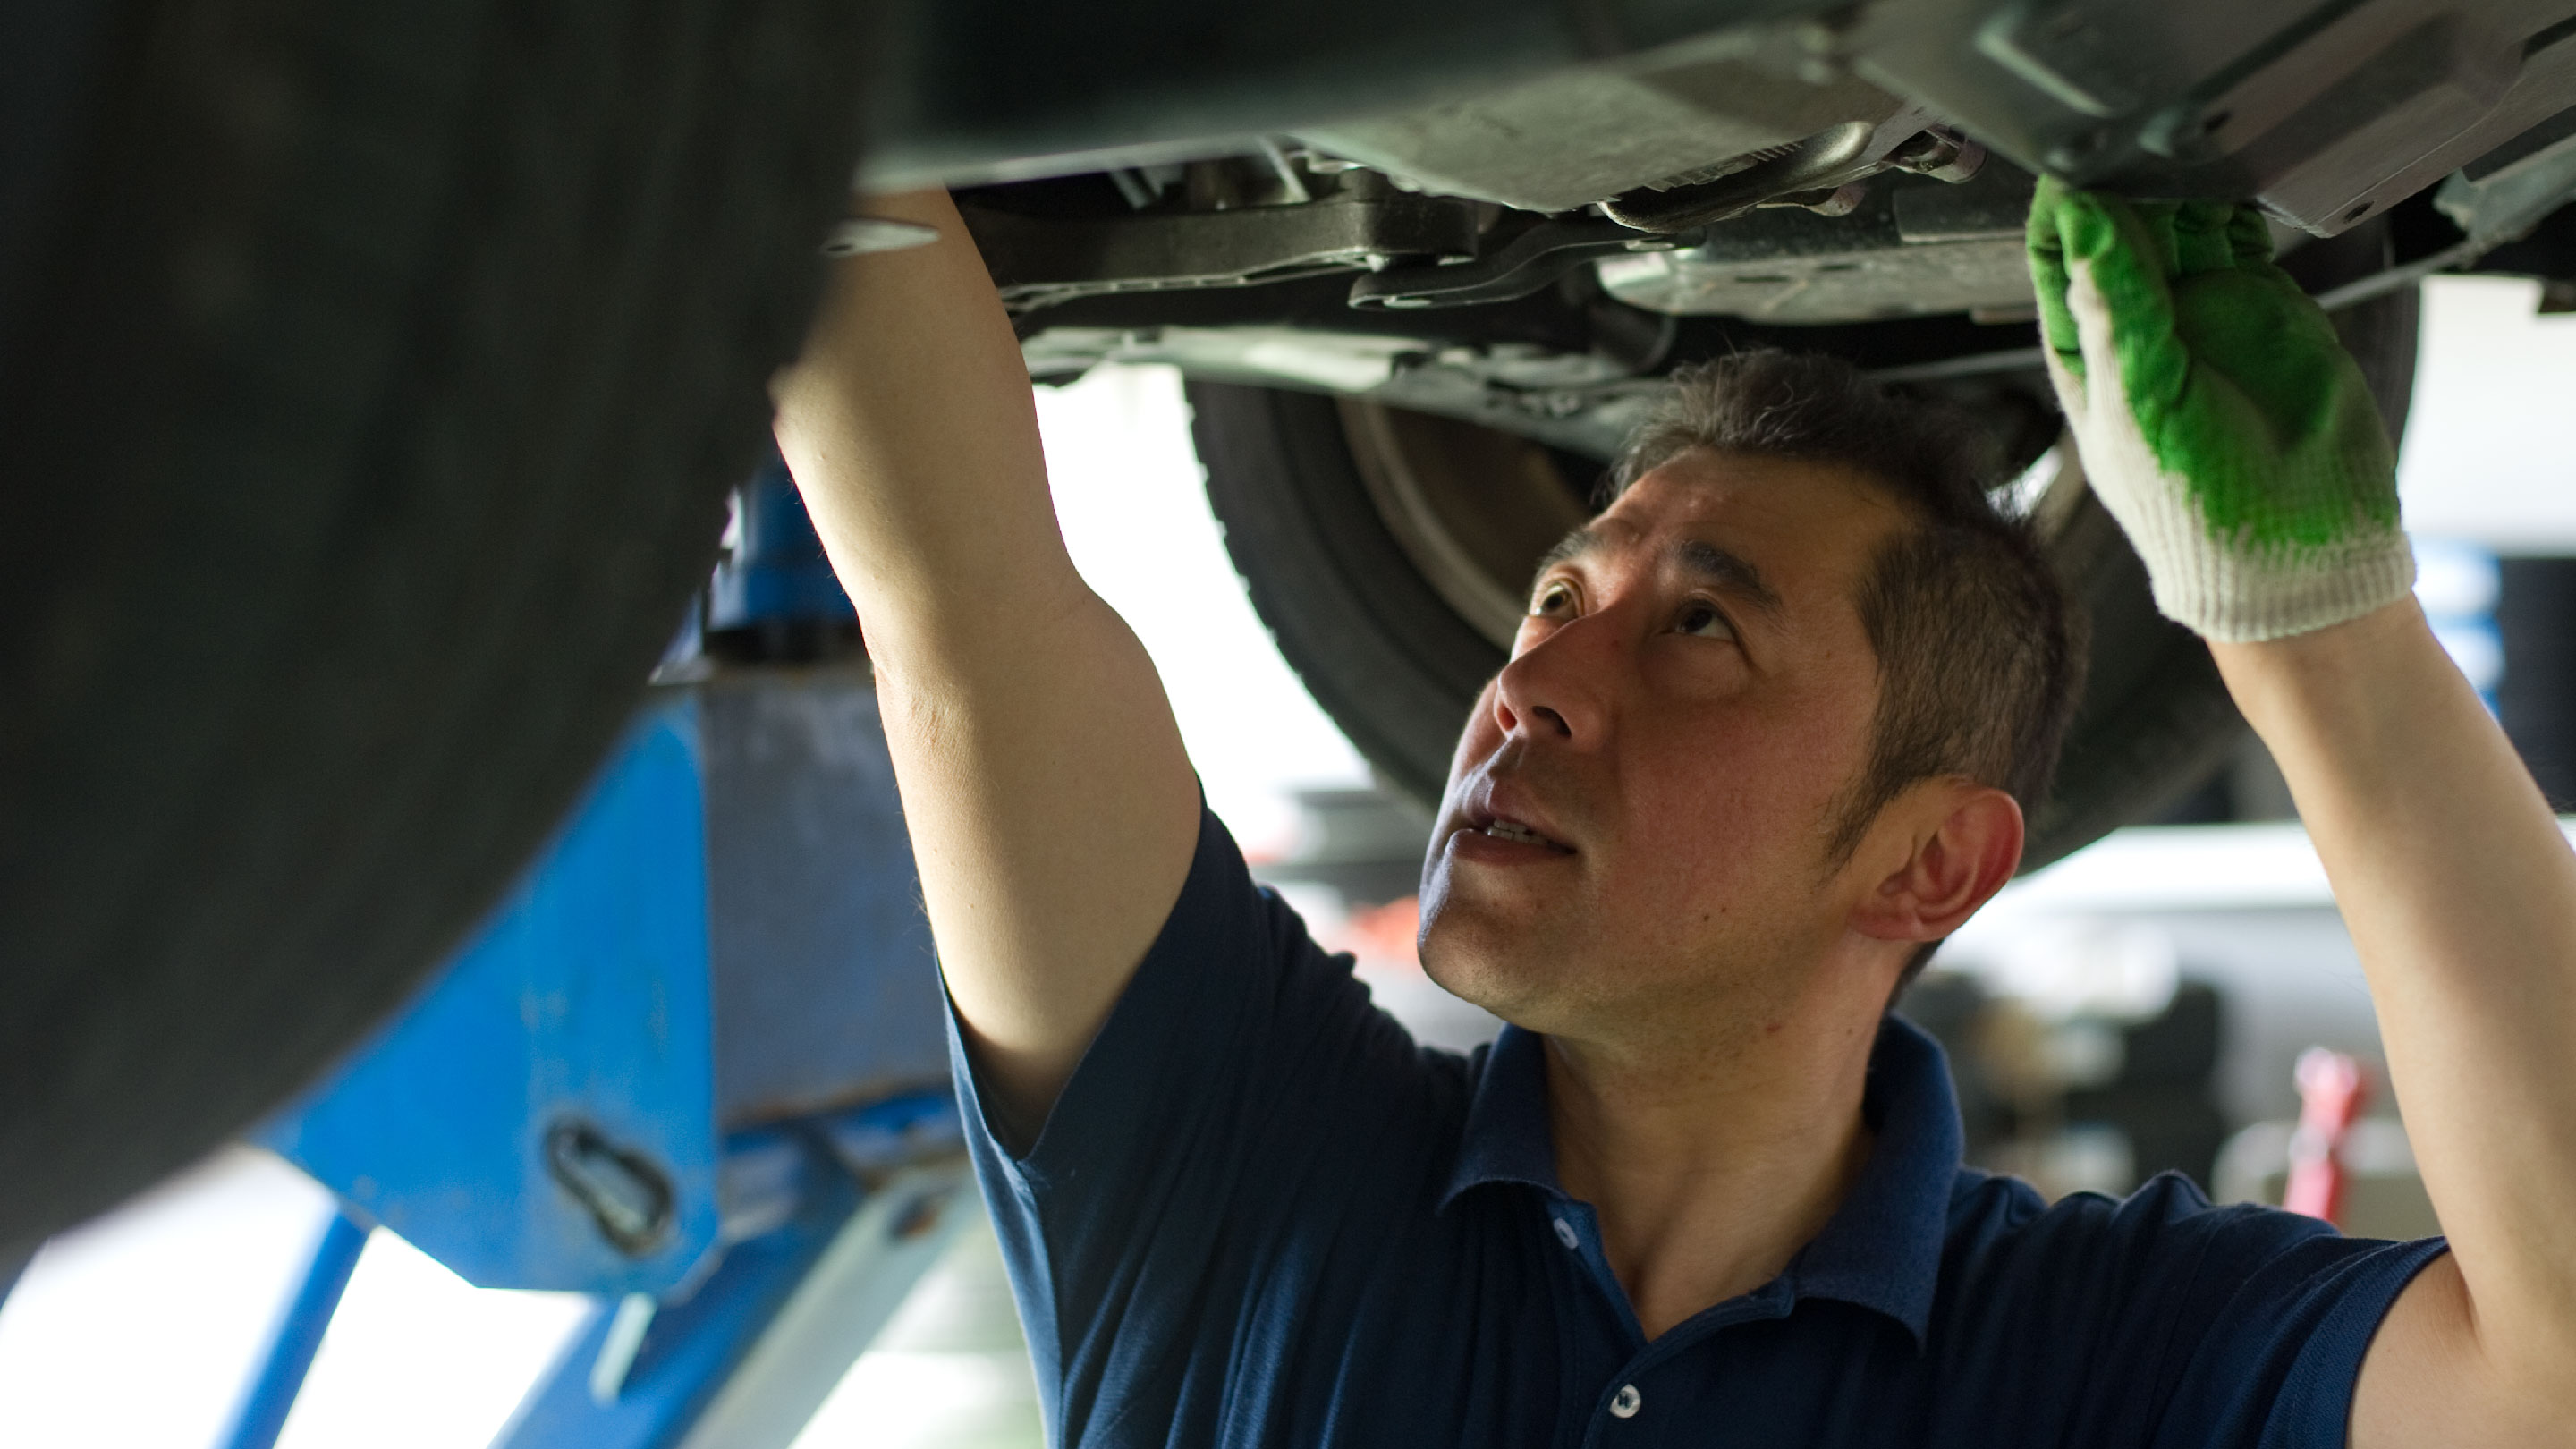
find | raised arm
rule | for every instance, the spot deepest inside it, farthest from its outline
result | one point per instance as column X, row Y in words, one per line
column 2461, row 895
column 1052, row 810
column 2226, row 429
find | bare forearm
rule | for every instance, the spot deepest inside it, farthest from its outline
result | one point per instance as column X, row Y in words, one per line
column 910, row 426
column 2460, row 892
column 1051, row 807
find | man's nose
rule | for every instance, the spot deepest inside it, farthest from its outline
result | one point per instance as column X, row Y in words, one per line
column 1555, row 689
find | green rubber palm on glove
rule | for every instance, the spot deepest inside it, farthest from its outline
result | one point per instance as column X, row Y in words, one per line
column 2219, row 418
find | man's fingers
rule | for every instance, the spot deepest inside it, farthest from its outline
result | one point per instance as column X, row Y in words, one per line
column 2201, row 239
column 2148, row 227
column 2249, row 236
column 2099, row 334
column 2066, row 375
column 2119, row 256
column 2047, row 248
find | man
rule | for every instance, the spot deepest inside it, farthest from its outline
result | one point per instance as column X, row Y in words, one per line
column 1722, row 797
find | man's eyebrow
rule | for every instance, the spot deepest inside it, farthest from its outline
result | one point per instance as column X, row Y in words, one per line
column 1727, row 571
column 1574, row 545
column 1722, row 568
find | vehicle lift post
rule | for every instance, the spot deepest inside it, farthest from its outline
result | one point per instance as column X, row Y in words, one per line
column 694, row 1065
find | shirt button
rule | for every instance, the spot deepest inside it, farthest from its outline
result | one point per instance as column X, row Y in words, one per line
column 1625, row 1403
column 1565, row 1234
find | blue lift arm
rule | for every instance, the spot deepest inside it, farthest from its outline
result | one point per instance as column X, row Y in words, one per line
column 694, row 1066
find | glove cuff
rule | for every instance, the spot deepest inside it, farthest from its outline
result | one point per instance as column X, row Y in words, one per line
column 2235, row 595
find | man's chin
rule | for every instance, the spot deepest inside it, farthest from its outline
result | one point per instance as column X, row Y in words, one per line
column 1505, row 968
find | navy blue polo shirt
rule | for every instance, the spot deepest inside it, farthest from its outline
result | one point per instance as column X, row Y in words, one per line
column 1261, row 1214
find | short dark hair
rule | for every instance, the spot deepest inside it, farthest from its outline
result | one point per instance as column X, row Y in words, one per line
column 1978, row 663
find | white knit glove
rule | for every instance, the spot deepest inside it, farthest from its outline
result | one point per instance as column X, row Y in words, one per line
column 2219, row 419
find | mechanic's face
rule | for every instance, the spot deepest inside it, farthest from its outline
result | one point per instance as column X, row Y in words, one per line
column 1640, row 813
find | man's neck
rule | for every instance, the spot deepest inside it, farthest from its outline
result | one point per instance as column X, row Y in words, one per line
column 1711, row 1165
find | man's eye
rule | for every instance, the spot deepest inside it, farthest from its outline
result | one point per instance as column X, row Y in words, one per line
column 1701, row 617
column 1553, row 599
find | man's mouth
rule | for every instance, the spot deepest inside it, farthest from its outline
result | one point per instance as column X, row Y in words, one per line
column 1505, row 828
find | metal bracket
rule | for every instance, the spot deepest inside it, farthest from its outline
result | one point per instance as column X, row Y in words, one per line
column 743, row 1355
column 1537, row 256
column 1042, row 261
column 1821, row 163
column 1818, row 172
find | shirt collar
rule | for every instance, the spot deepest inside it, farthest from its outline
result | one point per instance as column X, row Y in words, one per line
column 1881, row 1250
column 1507, row 1137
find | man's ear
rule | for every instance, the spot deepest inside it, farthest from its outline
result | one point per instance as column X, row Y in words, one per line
column 1965, row 842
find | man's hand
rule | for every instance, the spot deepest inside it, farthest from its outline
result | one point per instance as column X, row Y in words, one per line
column 2220, row 420
column 1051, row 808
column 2230, row 435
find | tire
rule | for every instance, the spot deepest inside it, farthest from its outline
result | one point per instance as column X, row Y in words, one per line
column 1333, row 513
column 371, row 377
column 1393, row 663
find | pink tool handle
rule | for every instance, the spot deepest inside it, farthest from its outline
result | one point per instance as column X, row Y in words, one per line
column 2331, row 1089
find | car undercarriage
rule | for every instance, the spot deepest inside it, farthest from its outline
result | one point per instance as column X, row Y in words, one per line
column 1851, row 178
column 1530, row 256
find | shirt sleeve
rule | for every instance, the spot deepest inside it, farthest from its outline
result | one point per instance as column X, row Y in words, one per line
column 2272, row 1324
column 2171, row 1323
column 1243, row 1116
